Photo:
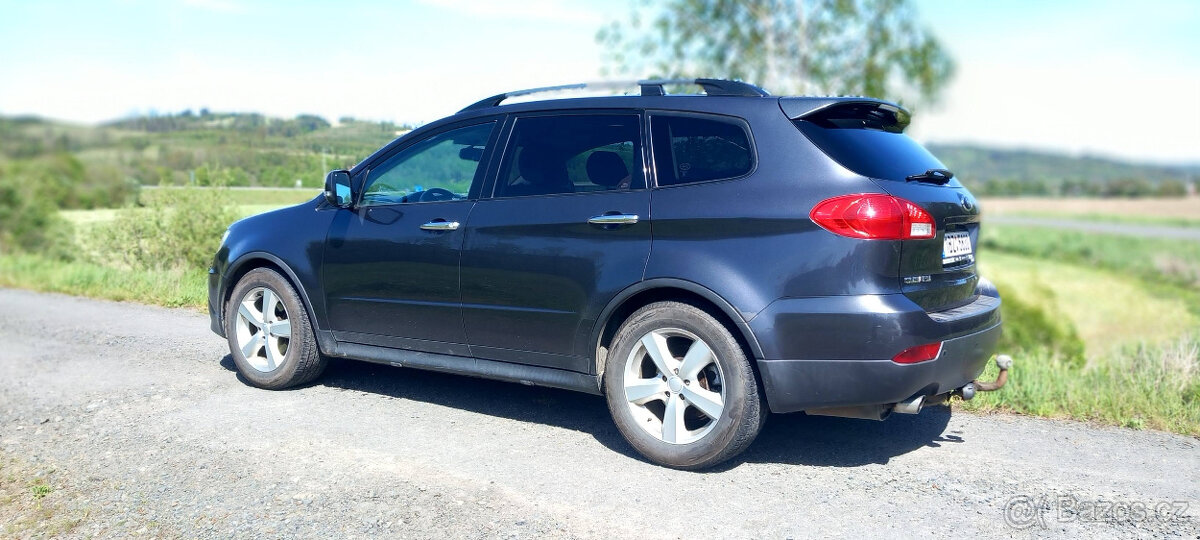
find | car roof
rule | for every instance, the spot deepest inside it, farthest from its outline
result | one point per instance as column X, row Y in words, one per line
column 721, row 97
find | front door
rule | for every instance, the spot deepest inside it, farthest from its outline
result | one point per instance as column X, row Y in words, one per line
column 391, row 262
column 566, row 229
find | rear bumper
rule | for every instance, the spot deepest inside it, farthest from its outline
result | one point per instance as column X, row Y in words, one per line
column 837, row 351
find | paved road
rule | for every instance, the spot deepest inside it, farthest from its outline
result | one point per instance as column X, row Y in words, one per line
column 1128, row 229
column 137, row 418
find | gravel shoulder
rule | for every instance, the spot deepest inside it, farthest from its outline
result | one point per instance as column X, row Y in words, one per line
column 135, row 417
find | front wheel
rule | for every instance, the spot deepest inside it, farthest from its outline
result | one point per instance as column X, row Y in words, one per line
column 680, row 387
column 270, row 336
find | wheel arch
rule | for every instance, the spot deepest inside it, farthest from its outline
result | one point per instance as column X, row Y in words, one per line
column 261, row 259
column 661, row 289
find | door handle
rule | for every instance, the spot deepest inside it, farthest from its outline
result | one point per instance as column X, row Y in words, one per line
column 614, row 219
column 440, row 226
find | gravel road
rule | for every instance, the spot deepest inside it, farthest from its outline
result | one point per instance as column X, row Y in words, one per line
column 1126, row 229
column 135, row 416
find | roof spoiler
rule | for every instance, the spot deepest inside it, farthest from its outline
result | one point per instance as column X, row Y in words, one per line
column 651, row 87
column 873, row 113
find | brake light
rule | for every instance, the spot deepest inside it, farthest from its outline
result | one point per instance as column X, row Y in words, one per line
column 920, row 353
column 873, row 216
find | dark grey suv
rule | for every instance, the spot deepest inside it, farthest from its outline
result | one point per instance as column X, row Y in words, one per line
column 700, row 260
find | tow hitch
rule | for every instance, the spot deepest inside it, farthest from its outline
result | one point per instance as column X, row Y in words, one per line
column 1004, row 362
column 914, row 405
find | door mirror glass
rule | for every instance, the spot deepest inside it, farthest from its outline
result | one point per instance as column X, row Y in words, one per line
column 337, row 188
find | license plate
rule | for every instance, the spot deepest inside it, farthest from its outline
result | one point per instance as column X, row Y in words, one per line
column 956, row 248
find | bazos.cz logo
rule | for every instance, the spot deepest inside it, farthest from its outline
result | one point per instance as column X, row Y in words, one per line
column 1025, row 511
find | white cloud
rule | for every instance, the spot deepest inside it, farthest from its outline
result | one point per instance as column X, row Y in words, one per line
column 1114, row 106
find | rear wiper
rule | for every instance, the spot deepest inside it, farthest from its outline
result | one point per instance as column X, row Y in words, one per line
column 933, row 176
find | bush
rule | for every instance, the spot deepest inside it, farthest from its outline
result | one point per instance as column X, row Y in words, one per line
column 66, row 183
column 178, row 228
column 30, row 223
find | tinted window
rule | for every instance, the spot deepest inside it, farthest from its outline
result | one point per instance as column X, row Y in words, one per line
column 572, row 154
column 689, row 149
column 442, row 167
column 874, row 152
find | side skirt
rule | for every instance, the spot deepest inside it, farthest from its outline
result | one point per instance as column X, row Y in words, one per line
column 475, row 367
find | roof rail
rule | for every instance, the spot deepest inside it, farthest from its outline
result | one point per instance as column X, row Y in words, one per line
column 651, row 87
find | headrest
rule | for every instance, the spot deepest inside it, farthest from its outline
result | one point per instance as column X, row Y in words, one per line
column 606, row 168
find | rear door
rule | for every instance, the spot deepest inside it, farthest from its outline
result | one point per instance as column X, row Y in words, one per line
column 567, row 229
column 868, row 138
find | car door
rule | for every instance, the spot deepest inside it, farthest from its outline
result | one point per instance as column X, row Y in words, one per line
column 390, row 270
column 566, row 228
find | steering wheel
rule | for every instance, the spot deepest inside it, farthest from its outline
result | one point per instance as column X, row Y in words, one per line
column 437, row 194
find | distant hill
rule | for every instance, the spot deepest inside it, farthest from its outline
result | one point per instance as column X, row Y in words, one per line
column 247, row 149
column 252, row 149
column 1032, row 172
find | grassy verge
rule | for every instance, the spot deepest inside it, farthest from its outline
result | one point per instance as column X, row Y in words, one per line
column 1138, row 318
column 1109, row 311
column 1143, row 387
column 160, row 287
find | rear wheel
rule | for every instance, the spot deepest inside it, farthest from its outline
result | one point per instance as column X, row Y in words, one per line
column 680, row 387
column 270, row 335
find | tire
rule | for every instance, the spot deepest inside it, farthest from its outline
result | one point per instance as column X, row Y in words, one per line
column 275, row 362
column 640, row 395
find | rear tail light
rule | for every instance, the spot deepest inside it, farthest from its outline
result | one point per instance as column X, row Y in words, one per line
column 873, row 216
column 920, row 353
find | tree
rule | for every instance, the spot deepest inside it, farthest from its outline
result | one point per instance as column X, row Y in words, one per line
column 856, row 47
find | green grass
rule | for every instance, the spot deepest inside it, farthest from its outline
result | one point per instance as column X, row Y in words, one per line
column 1168, row 221
column 1107, row 310
column 85, row 219
column 1138, row 318
column 273, row 197
column 1175, row 262
column 170, row 288
column 1142, row 387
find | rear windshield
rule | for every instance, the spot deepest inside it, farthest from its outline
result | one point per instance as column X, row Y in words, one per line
column 874, row 153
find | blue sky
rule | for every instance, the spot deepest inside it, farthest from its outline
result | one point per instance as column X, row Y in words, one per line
column 1108, row 78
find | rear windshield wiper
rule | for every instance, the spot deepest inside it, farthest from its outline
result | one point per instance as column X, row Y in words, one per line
column 932, row 176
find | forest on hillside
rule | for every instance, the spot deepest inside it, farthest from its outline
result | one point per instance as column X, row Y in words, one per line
column 78, row 166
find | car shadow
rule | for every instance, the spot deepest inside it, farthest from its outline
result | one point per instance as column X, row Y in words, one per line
column 795, row 439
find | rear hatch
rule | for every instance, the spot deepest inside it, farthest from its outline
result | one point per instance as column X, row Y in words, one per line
column 868, row 138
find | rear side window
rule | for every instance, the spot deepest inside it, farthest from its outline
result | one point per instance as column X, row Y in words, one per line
column 578, row 153
column 689, row 149
column 869, row 141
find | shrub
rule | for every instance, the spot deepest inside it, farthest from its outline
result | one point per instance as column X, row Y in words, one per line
column 178, row 228
column 30, row 223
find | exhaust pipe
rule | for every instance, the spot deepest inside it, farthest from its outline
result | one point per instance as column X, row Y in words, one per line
column 912, row 406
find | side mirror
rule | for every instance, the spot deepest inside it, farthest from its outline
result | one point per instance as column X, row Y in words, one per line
column 337, row 188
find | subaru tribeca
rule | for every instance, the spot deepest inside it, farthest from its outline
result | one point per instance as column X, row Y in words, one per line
column 699, row 260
